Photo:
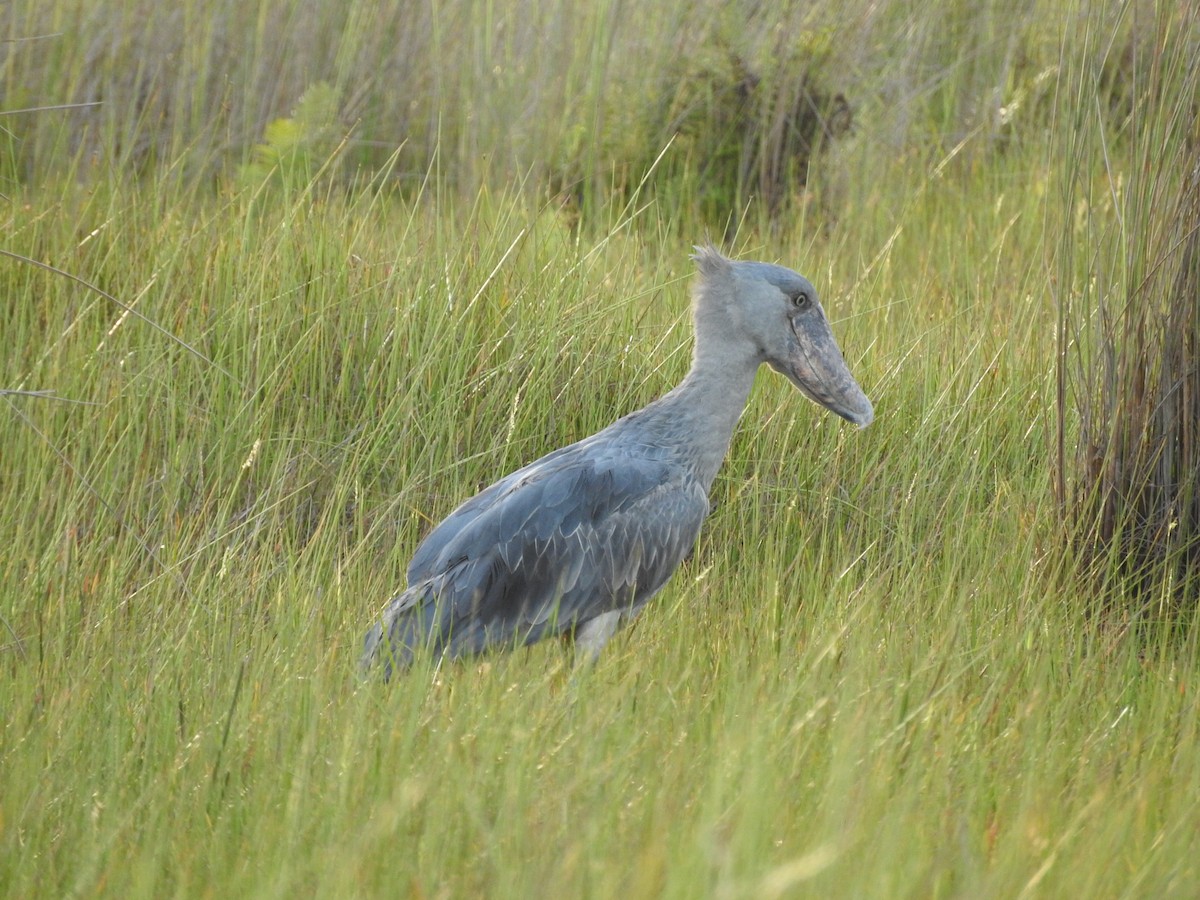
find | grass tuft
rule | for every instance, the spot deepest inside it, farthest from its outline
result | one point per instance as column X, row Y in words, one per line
column 1130, row 335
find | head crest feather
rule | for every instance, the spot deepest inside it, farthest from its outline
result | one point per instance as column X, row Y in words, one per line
column 709, row 260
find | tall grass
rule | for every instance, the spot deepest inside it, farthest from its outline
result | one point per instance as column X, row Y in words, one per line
column 584, row 97
column 876, row 675
column 1129, row 330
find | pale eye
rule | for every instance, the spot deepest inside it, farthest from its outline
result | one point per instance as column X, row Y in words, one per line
column 801, row 300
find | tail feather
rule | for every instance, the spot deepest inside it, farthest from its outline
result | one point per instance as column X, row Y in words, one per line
column 409, row 623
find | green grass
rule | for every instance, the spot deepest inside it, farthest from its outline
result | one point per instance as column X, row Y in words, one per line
column 880, row 675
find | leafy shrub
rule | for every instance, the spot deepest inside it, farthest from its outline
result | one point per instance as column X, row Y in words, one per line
column 295, row 148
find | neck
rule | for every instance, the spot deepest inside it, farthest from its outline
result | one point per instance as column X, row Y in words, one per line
column 700, row 414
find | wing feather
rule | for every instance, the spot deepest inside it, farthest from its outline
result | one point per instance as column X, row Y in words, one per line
column 574, row 535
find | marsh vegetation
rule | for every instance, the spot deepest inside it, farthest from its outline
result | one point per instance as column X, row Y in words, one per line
column 284, row 282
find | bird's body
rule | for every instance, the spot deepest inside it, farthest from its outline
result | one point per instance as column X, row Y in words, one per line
column 580, row 539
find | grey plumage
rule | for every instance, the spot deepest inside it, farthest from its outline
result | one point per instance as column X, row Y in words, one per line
column 580, row 539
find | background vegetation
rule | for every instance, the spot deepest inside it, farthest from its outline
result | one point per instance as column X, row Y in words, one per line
column 286, row 281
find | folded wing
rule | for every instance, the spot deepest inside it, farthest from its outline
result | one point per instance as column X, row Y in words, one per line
column 574, row 535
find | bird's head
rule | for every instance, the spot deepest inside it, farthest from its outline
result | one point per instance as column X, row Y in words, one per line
column 775, row 312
